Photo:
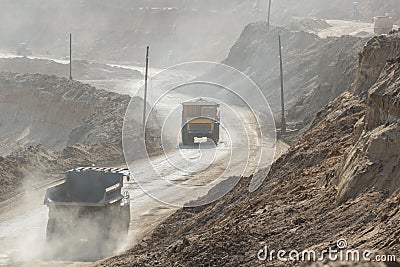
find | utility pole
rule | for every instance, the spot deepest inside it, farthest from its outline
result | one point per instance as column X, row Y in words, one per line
column 176, row 43
column 283, row 121
column 269, row 13
column 70, row 56
column 145, row 92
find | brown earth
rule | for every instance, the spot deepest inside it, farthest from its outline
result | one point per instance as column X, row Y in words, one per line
column 374, row 158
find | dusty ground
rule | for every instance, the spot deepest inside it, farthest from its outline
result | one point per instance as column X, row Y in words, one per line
column 76, row 124
column 295, row 209
column 87, row 144
column 315, row 194
column 146, row 212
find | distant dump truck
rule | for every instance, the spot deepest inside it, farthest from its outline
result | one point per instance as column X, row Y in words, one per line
column 200, row 119
column 383, row 24
column 89, row 215
column 24, row 50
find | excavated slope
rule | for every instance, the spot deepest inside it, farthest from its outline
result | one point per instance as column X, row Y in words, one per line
column 374, row 159
column 294, row 209
column 315, row 70
column 53, row 111
column 49, row 124
column 339, row 181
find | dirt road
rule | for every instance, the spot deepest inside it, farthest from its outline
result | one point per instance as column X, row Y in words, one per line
column 23, row 223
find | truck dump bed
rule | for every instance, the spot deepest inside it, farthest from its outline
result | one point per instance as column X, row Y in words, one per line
column 200, row 119
column 89, row 186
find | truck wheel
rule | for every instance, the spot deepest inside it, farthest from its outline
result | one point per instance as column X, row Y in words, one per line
column 215, row 138
column 50, row 230
column 126, row 218
column 191, row 140
column 185, row 139
column 55, row 230
column 216, row 133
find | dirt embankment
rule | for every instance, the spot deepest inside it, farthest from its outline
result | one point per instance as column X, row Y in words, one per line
column 374, row 158
column 339, row 181
column 49, row 124
column 316, row 70
column 82, row 70
column 52, row 111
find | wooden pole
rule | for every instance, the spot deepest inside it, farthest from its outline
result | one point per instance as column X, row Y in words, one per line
column 283, row 121
column 70, row 56
column 269, row 13
column 145, row 91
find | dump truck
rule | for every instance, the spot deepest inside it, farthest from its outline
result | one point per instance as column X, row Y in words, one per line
column 200, row 119
column 89, row 213
column 383, row 24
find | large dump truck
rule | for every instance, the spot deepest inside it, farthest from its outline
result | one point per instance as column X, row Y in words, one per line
column 200, row 119
column 89, row 214
column 383, row 24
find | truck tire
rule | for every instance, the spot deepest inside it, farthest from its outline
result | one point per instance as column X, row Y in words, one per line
column 216, row 138
column 50, row 230
column 187, row 139
column 185, row 136
column 55, row 230
column 191, row 140
column 216, row 133
column 126, row 217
